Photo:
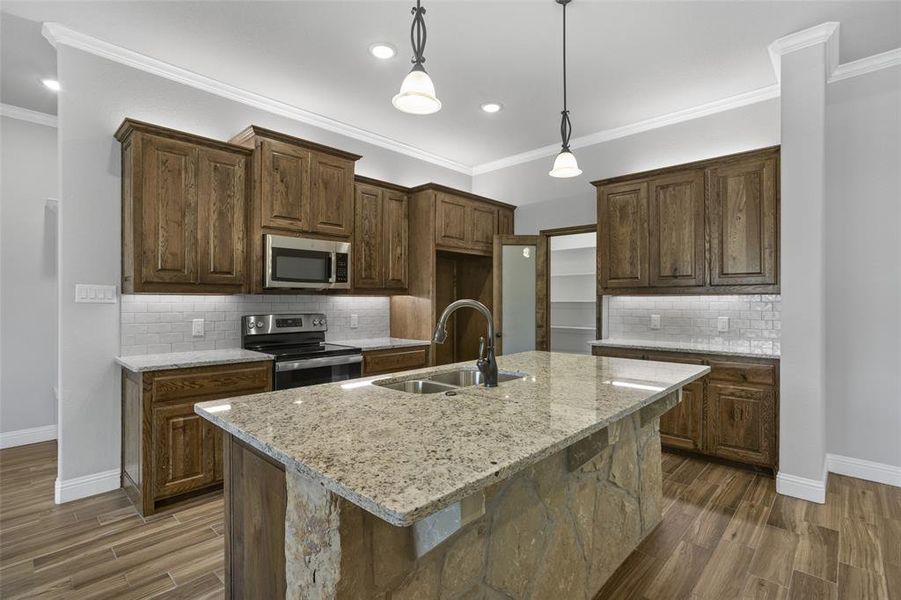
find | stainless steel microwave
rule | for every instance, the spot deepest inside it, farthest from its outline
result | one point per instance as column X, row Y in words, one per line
column 306, row 263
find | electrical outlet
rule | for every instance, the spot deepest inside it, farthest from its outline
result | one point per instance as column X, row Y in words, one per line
column 354, row 321
column 95, row 294
column 197, row 328
column 722, row 324
column 655, row 321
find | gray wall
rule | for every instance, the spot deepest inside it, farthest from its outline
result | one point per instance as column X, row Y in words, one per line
column 561, row 202
column 863, row 267
column 97, row 94
column 28, row 306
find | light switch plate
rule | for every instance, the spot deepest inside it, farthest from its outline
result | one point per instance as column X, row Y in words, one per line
column 354, row 321
column 197, row 327
column 655, row 321
column 95, row 294
column 722, row 324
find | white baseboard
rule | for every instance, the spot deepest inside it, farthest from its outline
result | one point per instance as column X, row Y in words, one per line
column 23, row 437
column 811, row 490
column 88, row 485
column 864, row 469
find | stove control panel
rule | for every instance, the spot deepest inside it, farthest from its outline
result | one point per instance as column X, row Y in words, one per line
column 283, row 323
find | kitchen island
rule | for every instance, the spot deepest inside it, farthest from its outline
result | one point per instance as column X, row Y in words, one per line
column 537, row 488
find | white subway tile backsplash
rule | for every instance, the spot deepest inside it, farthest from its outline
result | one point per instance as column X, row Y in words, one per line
column 753, row 318
column 162, row 323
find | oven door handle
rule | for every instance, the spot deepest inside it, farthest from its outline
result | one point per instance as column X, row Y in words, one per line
column 314, row 363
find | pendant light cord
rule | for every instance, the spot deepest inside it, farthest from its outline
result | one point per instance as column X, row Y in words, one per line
column 418, row 34
column 565, row 124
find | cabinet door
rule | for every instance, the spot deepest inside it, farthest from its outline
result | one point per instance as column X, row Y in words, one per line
column 505, row 221
column 623, row 236
column 169, row 211
column 683, row 425
column 743, row 223
column 331, row 211
column 676, row 230
column 451, row 215
column 368, row 240
column 395, row 228
column 285, row 186
column 741, row 423
column 221, row 211
column 483, row 226
column 183, row 458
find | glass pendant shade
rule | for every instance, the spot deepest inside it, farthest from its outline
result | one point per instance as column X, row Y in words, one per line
column 417, row 94
column 565, row 165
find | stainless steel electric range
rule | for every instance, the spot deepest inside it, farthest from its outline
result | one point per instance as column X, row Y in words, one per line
column 302, row 356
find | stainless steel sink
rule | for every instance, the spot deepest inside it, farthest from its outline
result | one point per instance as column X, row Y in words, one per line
column 468, row 377
column 418, row 386
column 446, row 382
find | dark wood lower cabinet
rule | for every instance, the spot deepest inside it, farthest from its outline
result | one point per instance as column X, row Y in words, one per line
column 167, row 450
column 391, row 360
column 255, row 504
column 732, row 413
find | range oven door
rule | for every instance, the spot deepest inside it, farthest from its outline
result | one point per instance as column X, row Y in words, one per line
column 313, row 371
column 293, row 262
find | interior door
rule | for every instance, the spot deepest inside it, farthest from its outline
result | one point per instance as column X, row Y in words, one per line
column 520, row 293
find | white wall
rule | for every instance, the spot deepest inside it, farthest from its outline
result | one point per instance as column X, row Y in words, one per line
column 28, row 306
column 96, row 95
column 553, row 202
column 863, row 267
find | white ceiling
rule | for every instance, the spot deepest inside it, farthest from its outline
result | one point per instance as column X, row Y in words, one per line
column 628, row 61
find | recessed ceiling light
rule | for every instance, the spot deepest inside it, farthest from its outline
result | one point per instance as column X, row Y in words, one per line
column 492, row 107
column 52, row 84
column 382, row 51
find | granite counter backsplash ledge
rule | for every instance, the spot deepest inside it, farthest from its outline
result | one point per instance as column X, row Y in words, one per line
column 752, row 348
column 405, row 456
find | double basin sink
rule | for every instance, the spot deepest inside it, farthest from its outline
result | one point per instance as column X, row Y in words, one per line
column 447, row 381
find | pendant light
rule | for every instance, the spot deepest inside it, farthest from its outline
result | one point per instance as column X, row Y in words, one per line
column 417, row 92
column 565, row 164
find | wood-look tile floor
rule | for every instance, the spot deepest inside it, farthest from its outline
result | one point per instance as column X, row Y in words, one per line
column 100, row 547
column 725, row 534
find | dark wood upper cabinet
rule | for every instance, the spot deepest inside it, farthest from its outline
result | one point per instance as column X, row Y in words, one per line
column 451, row 217
column 623, row 236
column 368, row 228
column 285, row 186
column 743, row 220
column 395, row 236
column 483, row 226
column 184, row 206
column 222, row 223
column 381, row 235
column 676, row 233
column 706, row 227
column 465, row 222
column 331, row 211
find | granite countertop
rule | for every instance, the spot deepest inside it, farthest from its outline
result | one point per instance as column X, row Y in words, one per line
column 405, row 456
column 183, row 360
column 382, row 343
column 748, row 348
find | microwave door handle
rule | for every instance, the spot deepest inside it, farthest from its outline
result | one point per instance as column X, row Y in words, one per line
column 334, row 269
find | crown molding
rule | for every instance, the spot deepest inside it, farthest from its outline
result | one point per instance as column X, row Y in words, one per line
column 606, row 135
column 891, row 58
column 24, row 114
column 824, row 33
column 59, row 35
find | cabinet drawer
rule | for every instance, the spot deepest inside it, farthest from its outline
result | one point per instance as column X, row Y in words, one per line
column 739, row 372
column 389, row 361
column 618, row 352
column 676, row 358
column 208, row 383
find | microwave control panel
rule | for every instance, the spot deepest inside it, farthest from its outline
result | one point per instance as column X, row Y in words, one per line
column 341, row 268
